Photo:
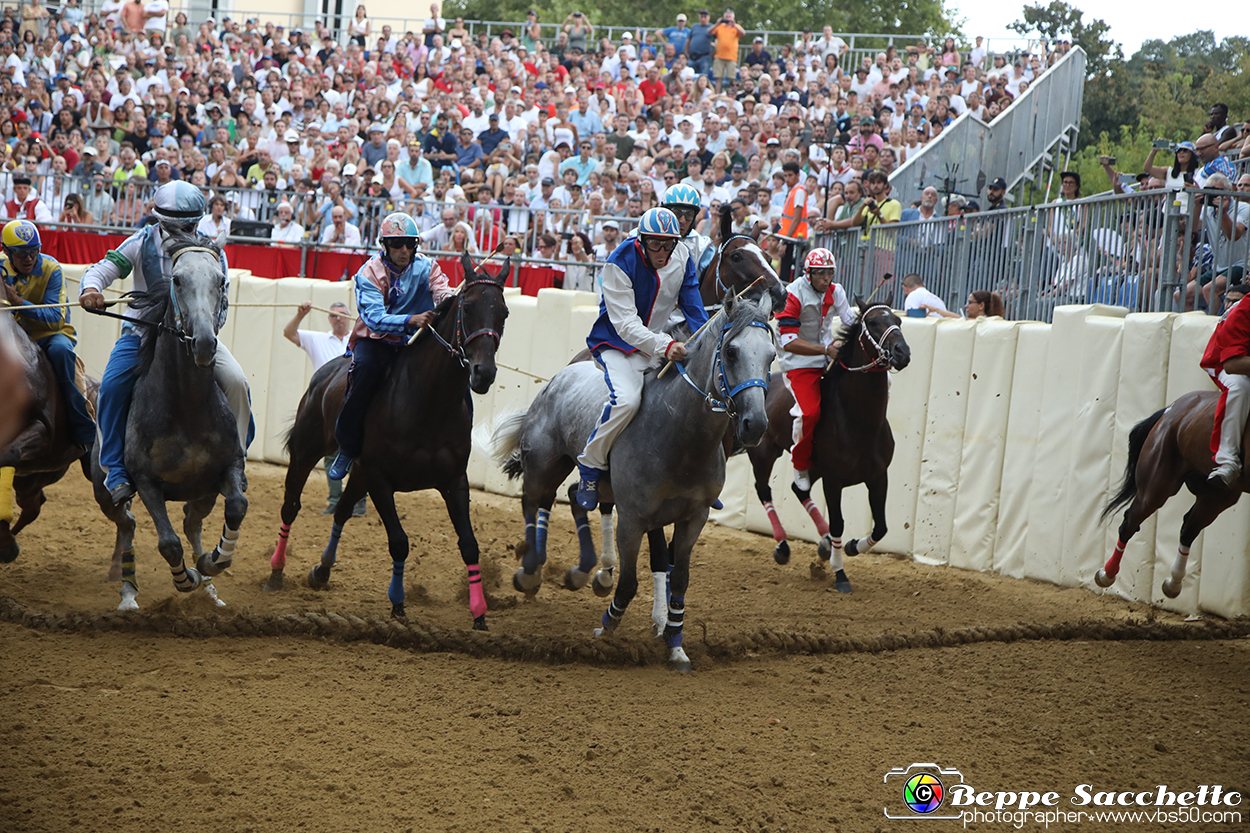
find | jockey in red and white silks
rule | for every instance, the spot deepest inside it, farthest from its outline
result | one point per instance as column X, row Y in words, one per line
column 1230, row 341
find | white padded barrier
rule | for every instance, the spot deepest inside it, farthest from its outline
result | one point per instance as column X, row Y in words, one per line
column 985, row 438
column 514, row 389
column 1020, row 453
column 290, row 368
column 1090, row 445
column 943, row 439
column 96, row 333
column 1190, row 334
column 253, row 345
column 907, row 412
column 1143, row 380
column 1056, row 424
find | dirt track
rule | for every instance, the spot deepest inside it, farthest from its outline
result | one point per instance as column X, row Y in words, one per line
column 322, row 729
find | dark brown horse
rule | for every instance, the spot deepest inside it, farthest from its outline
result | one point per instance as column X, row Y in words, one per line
column 41, row 452
column 736, row 264
column 852, row 442
column 1167, row 450
column 417, row 433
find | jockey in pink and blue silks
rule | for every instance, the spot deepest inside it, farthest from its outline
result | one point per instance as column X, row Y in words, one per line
column 179, row 207
column 643, row 283
column 396, row 293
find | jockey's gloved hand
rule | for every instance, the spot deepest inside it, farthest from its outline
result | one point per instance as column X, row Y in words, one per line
column 676, row 351
column 91, row 299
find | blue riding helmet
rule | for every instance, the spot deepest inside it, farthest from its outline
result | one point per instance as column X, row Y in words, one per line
column 398, row 224
column 180, row 203
column 659, row 222
column 682, row 194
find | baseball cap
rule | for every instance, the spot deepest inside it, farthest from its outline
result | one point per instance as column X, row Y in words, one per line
column 493, row 117
column 998, row 182
column 758, row 39
column 611, row 224
column 867, row 120
column 456, row 44
column 773, row 141
column 627, row 36
column 681, row 17
column 548, row 181
column 349, row 169
column 738, row 167
column 864, row 70
column 89, row 149
column 972, row 205
column 376, row 128
column 291, row 136
column 377, row 179
column 160, row 162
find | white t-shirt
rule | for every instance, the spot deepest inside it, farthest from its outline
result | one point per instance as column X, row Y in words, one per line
column 156, row 24
column 919, row 297
column 322, row 346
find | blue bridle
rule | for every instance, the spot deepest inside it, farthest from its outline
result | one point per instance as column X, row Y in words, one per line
column 725, row 404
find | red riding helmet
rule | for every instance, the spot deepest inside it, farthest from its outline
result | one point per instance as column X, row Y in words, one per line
column 820, row 259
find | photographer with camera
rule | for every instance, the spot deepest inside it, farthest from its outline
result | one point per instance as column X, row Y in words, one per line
column 727, row 33
column 1180, row 175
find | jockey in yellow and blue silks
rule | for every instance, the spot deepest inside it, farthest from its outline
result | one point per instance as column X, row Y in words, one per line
column 396, row 293
column 644, row 281
column 179, row 207
column 32, row 278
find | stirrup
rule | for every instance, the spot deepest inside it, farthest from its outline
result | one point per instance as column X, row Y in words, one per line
column 588, row 492
column 340, row 467
column 1225, row 473
column 121, row 493
column 802, row 480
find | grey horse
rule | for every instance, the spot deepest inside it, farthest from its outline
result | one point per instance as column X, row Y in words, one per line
column 667, row 466
column 182, row 441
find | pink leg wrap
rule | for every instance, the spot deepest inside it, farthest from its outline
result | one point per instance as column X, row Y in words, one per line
column 822, row 526
column 279, row 554
column 779, row 532
column 1112, row 567
column 477, row 599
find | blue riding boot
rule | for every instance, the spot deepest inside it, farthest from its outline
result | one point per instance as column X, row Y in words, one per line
column 340, row 467
column 588, row 488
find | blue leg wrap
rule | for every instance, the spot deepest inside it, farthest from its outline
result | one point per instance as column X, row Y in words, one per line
column 396, row 591
column 586, row 545
column 540, row 534
column 676, row 620
column 332, row 547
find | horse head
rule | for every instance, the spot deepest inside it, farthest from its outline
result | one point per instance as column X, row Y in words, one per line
column 480, row 320
column 881, row 335
column 746, row 352
column 739, row 262
column 197, row 293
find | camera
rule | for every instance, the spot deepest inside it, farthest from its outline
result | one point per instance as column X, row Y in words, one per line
column 1164, row 144
column 920, row 790
column 1107, row 160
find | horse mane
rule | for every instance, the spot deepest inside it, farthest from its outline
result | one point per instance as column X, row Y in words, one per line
column 850, row 337
column 154, row 303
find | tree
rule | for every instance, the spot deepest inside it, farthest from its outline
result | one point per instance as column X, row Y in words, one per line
column 1049, row 22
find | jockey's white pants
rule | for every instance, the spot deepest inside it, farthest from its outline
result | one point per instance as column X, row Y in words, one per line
column 230, row 377
column 1236, row 409
column 623, row 373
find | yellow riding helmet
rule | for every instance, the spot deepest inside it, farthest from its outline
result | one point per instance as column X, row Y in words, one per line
column 20, row 234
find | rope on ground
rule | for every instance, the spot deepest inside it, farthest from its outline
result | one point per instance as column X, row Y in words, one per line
column 422, row 637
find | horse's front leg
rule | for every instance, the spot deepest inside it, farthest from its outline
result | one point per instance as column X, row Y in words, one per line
column 30, row 499
column 457, row 500
column 831, row 545
column 353, row 490
column 661, row 567
column 396, row 542
column 877, row 488
column 297, row 473
column 607, row 572
column 214, row 563
column 685, row 535
column 123, row 566
column 628, row 541
column 186, row 578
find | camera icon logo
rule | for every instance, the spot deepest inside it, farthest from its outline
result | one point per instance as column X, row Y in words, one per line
column 923, row 789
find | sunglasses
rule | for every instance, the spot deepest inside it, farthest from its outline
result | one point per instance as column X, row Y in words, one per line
column 402, row 242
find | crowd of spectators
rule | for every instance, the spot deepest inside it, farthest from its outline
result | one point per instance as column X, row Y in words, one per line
column 552, row 145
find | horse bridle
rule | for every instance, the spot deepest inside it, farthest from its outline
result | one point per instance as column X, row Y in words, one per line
column 725, row 404
column 177, row 331
column 459, row 340
column 721, row 289
column 883, row 357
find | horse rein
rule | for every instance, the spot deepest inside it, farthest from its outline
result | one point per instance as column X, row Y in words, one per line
column 460, row 341
column 881, row 363
column 725, row 404
column 177, row 330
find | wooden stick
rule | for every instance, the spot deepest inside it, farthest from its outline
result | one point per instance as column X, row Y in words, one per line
column 458, row 287
column 6, row 307
column 709, row 321
column 274, row 306
column 886, row 278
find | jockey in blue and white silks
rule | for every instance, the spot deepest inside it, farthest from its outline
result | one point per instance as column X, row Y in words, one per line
column 396, row 293
column 643, row 283
column 179, row 207
column 685, row 202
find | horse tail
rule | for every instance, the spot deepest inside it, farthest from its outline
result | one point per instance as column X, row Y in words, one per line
column 505, row 443
column 1136, row 440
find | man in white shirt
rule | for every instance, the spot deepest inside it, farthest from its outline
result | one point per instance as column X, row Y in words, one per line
column 322, row 347
column 286, row 230
column 340, row 232
column 155, row 15
column 977, row 56
column 919, row 298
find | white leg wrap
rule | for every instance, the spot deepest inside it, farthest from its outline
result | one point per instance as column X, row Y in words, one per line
column 1178, row 566
column 835, row 555
column 864, row 544
column 608, row 529
column 659, row 603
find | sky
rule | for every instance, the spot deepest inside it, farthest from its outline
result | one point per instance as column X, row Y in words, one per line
column 1132, row 21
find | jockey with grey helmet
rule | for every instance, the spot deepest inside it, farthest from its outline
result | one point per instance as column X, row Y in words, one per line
column 178, row 206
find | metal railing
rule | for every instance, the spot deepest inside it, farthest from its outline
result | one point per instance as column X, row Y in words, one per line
column 1147, row 251
column 1020, row 144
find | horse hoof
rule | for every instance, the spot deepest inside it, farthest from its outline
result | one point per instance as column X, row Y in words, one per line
column 315, row 581
column 602, row 584
column 851, row 547
column 841, row 583
column 208, row 567
column 9, row 554
column 824, row 549
column 274, row 584
column 520, row 580
column 130, row 595
column 575, row 579
column 1171, row 589
column 781, row 552
column 194, row 580
column 479, row 623
column 678, row 661
column 397, row 612
column 1102, row 579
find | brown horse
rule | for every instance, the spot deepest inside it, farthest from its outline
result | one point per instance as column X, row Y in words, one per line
column 417, row 433
column 1167, row 450
column 41, row 452
column 852, row 443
